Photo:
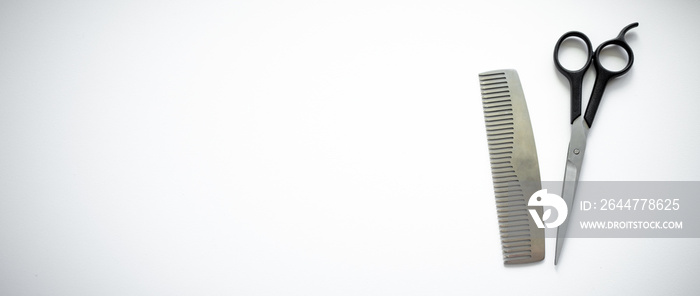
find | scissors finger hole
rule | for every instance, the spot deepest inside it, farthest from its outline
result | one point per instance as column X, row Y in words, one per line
column 573, row 54
column 613, row 58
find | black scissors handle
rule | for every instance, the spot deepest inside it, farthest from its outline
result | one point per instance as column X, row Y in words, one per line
column 603, row 75
column 575, row 77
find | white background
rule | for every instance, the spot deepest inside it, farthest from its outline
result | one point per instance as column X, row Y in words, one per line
column 318, row 147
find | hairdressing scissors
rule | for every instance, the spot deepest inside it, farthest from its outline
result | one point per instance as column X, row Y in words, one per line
column 581, row 124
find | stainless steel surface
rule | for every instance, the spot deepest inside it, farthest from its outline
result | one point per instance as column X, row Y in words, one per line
column 574, row 160
column 514, row 166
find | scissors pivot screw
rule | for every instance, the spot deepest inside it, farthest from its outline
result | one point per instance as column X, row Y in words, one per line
column 576, row 151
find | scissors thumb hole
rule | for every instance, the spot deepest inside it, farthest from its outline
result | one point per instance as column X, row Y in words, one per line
column 613, row 58
column 573, row 54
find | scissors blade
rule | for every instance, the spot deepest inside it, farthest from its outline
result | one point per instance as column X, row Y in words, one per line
column 574, row 160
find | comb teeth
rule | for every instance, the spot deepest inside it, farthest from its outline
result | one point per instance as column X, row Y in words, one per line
column 511, row 205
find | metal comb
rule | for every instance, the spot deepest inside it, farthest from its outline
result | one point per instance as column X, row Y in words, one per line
column 514, row 166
